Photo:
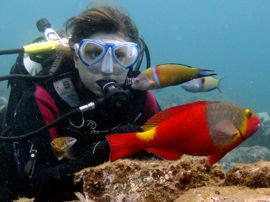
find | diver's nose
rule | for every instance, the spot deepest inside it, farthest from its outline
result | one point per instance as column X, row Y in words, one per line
column 107, row 62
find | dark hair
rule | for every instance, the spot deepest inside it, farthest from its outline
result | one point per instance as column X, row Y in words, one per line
column 101, row 19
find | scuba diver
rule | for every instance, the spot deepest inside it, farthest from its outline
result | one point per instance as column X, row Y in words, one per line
column 106, row 51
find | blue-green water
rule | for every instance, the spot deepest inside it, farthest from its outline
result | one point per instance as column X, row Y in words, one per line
column 229, row 36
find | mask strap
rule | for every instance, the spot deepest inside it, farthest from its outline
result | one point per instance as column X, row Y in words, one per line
column 144, row 50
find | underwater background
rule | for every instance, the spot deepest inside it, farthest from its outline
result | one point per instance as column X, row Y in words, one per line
column 231, row 37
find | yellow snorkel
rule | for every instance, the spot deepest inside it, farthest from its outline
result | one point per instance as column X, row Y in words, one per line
column 40, row 47
column 46, row 46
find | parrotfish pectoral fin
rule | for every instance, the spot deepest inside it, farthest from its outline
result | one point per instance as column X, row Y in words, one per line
column 206, row 72
column 166, row 154
column 225, row 128
column 214, row 158
column 125, row 144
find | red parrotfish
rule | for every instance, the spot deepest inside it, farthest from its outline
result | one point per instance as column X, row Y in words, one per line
column 164, row 75
column 203, row 128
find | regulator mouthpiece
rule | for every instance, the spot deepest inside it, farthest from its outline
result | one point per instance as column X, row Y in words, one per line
column 107, row 85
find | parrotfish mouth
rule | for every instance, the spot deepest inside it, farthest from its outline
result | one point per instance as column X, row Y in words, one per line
column 258, row 126
column 255, row 125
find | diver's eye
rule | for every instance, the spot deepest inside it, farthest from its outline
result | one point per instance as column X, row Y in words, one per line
column 121, row 56
column 248, row 113
column 93, row 54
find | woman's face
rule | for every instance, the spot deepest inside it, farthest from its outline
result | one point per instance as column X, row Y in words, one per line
column 106, row 68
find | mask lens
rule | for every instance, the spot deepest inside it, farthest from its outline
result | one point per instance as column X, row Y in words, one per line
column 92, row 52
column 126, row 55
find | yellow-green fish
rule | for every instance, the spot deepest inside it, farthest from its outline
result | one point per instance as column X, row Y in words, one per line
column 62, row 147
column 164, row 75
column 203, row 84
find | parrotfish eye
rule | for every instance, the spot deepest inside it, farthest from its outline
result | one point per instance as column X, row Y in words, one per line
column 248, row 113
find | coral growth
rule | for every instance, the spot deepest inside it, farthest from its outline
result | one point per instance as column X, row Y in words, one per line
column 160, row 180
column 189, row 179
column 255, row 175
column 127, row 180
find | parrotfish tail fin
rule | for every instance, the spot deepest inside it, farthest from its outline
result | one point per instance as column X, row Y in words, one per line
column 124, row 144
column 218, row 87
column 214, row 158
column 206, row 72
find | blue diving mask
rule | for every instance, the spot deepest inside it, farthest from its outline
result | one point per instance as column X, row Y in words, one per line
column 91, row 52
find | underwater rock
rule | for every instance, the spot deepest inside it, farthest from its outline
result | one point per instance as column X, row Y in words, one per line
column 255, row 175
column 264, row 122
column 261, row 138
column 246, row 155
column 152, row 180
column 187, row 179
column 3, row 107
column 225, row 194
column 3, row 102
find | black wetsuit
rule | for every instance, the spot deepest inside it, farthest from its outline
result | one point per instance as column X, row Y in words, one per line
column 40, row 105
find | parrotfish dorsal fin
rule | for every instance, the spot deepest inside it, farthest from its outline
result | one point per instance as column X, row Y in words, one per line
column 168, row 113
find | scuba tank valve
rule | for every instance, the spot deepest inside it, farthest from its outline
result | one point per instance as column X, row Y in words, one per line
column 44, row 26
